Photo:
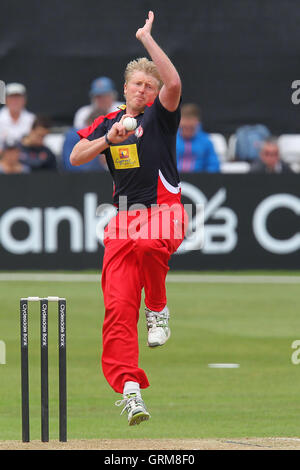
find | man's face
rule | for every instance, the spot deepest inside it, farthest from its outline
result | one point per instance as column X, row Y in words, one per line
column 11, row 155
column 37, row 135
column 269, row 154
column 15, row 103
column 103, row 102
column 188, row 126
column 140, row 90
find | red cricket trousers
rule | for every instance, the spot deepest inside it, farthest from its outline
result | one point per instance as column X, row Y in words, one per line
column 138, row 246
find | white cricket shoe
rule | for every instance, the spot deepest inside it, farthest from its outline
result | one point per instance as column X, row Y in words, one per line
column 158, row 327
column 135, row 407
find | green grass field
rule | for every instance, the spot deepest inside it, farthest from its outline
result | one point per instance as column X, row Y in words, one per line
column 250, row 324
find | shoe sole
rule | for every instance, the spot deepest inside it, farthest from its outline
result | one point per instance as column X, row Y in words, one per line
column 154, row 345
column 139, row 418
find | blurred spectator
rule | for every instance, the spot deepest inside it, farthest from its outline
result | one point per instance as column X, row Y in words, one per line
column 195, row 151
column 33, row 151
column 269, row 159
column 103, row 96
column 248, row 141
column 71, row 138
column 15, row 120
column 10, row 159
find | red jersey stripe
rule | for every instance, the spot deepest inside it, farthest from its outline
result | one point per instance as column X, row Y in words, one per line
column 166, row 197
column 84, row 133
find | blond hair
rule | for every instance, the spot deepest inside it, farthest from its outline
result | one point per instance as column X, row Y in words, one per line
column 142, row 65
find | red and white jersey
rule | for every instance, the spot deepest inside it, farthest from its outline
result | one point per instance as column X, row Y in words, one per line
column 143, row 167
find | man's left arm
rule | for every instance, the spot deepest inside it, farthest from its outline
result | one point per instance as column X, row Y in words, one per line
column 170, row 92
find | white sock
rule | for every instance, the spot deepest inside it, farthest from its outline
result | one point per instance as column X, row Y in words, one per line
column 131, row 387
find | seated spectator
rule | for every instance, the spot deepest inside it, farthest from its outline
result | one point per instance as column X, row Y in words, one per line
column 15, row 120
column 269, row 159
column 195, row 151
column 249, row 139
column 71, row 138
column 33, row 151
column 103, row 96
column 10, row 159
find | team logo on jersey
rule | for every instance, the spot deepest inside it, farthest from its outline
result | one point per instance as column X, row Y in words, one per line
column 139, row 132
column 125, row 156
column 123, row 153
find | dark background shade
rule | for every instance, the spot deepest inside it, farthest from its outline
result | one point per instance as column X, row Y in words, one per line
column 237, row 58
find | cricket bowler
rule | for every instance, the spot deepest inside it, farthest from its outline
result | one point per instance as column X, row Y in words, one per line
column 150, row 223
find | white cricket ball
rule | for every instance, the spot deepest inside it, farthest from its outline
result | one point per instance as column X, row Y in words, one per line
column 130, row 123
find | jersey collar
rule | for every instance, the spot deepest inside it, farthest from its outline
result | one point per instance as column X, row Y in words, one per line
column 123, row 107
